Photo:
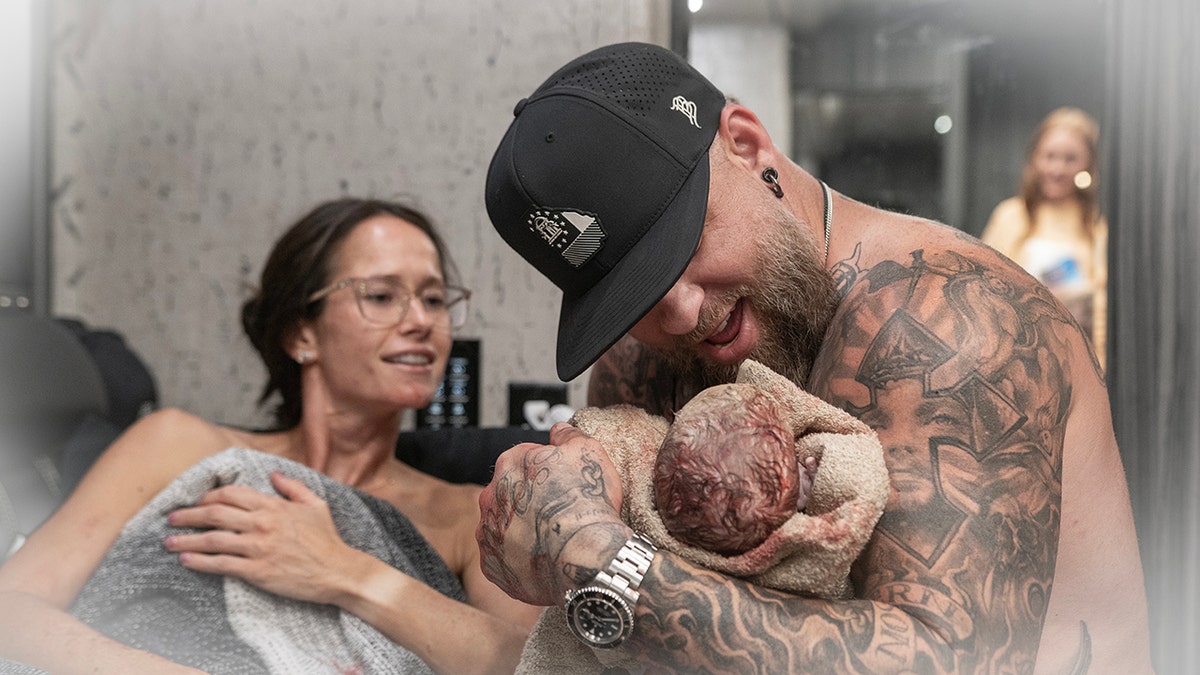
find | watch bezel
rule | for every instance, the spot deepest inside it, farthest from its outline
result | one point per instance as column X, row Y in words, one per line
column 601, row 597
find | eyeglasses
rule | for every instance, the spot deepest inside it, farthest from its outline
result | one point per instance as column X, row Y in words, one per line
column 384, row 301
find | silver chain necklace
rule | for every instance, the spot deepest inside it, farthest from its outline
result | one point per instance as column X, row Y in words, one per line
column 828, row 217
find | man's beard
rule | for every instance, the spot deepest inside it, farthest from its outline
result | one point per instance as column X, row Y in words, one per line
column 794, row 300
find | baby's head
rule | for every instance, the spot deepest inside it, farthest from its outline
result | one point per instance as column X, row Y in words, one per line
column 727, row 474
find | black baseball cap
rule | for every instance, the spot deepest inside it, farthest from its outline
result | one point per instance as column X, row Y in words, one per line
column 601, row 183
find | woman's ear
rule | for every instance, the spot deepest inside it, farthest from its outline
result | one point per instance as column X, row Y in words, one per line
column 745, row 138
column 301, row 343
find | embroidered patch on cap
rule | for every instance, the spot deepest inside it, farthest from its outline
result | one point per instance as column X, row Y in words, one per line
column 688, row 108
column 577, row 236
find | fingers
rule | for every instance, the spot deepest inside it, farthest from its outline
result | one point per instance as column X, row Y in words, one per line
column 239, row 496
column 212, row 516
column 227, row 506
column 248, row 498
column 563, row 432
column 293, row 489
column 228, row 565
column 213, row 542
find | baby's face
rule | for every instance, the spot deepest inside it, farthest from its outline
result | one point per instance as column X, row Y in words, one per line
column 727, row 474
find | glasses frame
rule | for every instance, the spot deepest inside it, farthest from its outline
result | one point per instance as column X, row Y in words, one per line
column 359, row 284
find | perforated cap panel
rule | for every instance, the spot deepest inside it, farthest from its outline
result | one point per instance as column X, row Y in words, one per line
column 632, row 80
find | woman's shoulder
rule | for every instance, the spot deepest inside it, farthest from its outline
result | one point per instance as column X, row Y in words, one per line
column 175, row 425
column 1006, row 226
column 172, row 437
column 1009, row 214
column 1010, row 206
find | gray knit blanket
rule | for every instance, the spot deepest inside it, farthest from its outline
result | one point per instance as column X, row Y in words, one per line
column 141, row 596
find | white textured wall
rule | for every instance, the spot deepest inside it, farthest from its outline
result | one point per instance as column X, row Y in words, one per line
column 187, row 134
column 752, row 63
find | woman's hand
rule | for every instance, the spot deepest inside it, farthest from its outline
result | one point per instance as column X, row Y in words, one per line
column 285, row 545
column 550, row 517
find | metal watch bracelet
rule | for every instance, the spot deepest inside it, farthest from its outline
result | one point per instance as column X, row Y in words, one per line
column 625, row 572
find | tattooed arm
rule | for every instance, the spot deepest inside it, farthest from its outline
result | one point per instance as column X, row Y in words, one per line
column 961, row 365
column 956, row 366
column 551, row 523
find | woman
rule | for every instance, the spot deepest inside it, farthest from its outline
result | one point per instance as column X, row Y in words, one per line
column 1053, row 228
column 353, row 322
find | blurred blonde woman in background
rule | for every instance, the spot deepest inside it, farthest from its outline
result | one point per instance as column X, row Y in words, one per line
column 1054, row 228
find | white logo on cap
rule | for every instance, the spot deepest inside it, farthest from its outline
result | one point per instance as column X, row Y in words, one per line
column 577, row 236
column 687, row 108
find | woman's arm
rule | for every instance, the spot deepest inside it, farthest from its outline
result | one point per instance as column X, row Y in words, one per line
column 41, row 580
column 290, row 546
column 485, row 636
column 1006, row 227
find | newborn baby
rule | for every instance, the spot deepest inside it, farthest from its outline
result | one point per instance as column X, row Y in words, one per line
column 727, row 474
column 757, row 479
column 733, row 486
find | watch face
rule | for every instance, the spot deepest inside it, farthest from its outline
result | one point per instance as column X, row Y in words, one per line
column 599, row 617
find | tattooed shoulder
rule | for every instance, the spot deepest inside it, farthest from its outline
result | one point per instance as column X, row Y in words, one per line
column 958, row 361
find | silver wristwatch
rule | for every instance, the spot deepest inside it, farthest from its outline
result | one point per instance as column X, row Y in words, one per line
column 601, row 613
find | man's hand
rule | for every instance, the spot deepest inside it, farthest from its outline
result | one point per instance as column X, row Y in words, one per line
column 551, row 517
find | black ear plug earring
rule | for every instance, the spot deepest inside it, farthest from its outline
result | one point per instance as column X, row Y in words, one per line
column 771, row 176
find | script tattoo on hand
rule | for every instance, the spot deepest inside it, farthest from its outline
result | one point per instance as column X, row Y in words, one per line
column 513, row 495
column 559, row 504
column 959, row 364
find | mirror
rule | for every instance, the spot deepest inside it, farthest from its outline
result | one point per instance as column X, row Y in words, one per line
column 920, row 106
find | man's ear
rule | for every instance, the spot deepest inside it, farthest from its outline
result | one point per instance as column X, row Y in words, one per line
column 745, row 139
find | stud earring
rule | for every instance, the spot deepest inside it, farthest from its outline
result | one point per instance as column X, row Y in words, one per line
column 303, row 356
column 771, row 176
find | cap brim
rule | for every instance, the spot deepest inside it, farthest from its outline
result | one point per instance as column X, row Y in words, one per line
column 592, row 322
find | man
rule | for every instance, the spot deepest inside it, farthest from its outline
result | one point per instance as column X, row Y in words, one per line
column 662, row 210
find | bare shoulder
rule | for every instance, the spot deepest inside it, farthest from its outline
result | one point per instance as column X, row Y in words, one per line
column 176, row 439
column 968, row 370
column 1013, row 207
column 63, row 552
column 939, row 307
column 1006, row 226
column 145, row 459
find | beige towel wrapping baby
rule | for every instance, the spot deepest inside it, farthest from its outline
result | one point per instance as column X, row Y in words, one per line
column 809, row 554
